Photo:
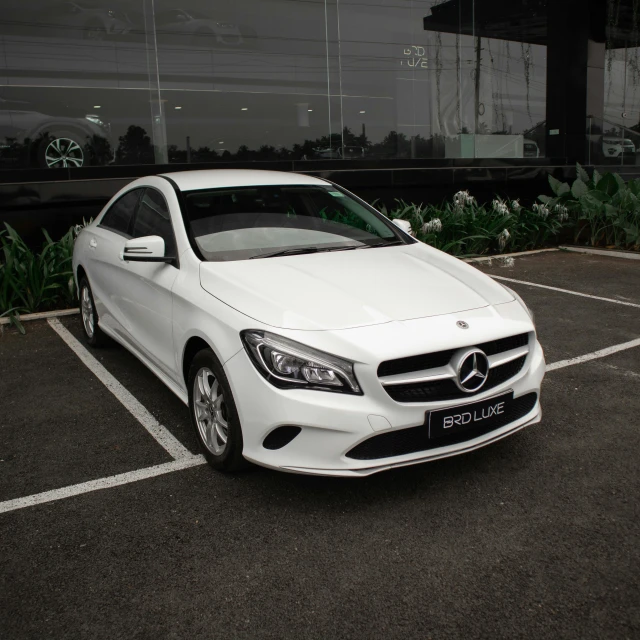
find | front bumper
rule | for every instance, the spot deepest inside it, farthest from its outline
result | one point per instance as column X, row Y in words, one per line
column 333, row 424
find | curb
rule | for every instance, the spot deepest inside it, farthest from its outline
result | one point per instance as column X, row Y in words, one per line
column 612, row 253
column 43, row 315
column 508, row 255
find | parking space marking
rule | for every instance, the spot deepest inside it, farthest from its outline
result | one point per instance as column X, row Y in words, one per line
column 189, row 460
column 573, row 293
column 102, row 483
column 161, row 434
column 594, row 356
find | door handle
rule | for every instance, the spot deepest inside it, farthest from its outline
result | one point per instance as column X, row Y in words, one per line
column 93, row 243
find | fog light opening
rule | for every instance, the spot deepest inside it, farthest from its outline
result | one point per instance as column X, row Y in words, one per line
column 280, row 437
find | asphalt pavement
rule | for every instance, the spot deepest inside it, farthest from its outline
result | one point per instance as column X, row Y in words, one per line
column 535, row 536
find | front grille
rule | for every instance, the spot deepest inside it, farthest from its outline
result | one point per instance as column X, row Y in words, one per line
column 416, row 439
column 440, row 390
column 441, row 358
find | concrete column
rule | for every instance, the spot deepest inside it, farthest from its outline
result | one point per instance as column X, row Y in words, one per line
column 575, row 76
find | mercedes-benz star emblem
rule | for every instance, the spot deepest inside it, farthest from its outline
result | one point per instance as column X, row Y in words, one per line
column 462, row 324
column 472, row 370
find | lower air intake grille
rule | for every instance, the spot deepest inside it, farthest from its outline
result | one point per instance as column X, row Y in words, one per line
column 447, row 389
column 415, row 439
column 280, row 437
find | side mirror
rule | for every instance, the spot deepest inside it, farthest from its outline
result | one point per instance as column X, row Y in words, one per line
column 405, row 225
column 147, row 249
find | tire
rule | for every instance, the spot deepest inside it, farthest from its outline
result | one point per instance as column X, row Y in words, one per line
column 93, row 335
column 214, row 414
column 62, row 149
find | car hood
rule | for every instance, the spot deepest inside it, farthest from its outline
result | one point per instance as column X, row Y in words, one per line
column 346, row 289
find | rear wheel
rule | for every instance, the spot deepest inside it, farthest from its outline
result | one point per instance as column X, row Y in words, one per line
column 92, row 333
column 61, row 149
column 214, row 414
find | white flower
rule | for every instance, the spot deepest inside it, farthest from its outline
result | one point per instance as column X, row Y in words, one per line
column 503, row 238
column 463, row 198
column 541, row 210
column 433, row 226
column 562, row 211
column 500, row 207
column 515, row 205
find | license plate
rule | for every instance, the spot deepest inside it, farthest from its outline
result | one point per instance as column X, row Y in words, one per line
column 446, row 422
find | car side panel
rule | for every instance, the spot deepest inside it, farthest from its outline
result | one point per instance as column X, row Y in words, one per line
column 197, row 313
column 146, row 307
column 101, row 250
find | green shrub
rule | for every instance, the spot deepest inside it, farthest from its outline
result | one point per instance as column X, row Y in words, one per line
column 32, row 281
column 465, row 228
column 605, row 208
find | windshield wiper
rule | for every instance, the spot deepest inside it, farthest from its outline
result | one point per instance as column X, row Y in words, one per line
column 286, row 252
column 301, row 250
column 393, row 243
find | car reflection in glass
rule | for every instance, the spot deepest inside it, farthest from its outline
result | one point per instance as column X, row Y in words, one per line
column 198, row 29
column 84, row 20
column 29, row 138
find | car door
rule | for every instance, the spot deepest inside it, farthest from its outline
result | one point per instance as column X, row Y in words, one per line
column 145, row 300
column 104, row 267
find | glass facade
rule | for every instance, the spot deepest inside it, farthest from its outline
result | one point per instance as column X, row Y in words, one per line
column 614, row 138
column 104, row 82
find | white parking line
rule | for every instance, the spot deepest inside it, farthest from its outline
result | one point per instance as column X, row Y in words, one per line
column 101, row 483
column 593, row 356
column 185, row 462
column 162, row 435
column 573, row 293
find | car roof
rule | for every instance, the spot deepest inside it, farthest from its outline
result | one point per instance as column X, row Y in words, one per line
column 216, row 178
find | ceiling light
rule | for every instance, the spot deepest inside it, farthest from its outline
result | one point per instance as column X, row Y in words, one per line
column 309, row 110
column 244, row 109
column 363, row 112
column 220, row 141
column 96, row 106
column 177, row 107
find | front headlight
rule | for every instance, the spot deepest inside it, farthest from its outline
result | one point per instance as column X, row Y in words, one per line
column 290, row 365
column 522, row 302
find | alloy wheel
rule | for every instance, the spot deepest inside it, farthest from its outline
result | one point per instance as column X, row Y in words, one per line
column 63, row 152
column 210, row 411
column 86, row 307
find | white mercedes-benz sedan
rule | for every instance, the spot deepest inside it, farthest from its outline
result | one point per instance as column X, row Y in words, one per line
column 305, row 331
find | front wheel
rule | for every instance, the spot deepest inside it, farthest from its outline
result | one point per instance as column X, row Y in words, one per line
column 214, row 414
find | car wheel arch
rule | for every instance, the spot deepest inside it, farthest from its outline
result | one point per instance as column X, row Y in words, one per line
column 37, row 136
column 193, row 346
column 80, row 273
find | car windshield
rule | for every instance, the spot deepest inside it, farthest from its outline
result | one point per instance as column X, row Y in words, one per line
column 251, row 222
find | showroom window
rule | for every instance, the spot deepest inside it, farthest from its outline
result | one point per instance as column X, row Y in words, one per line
column 155, row 82
column 615, row 139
